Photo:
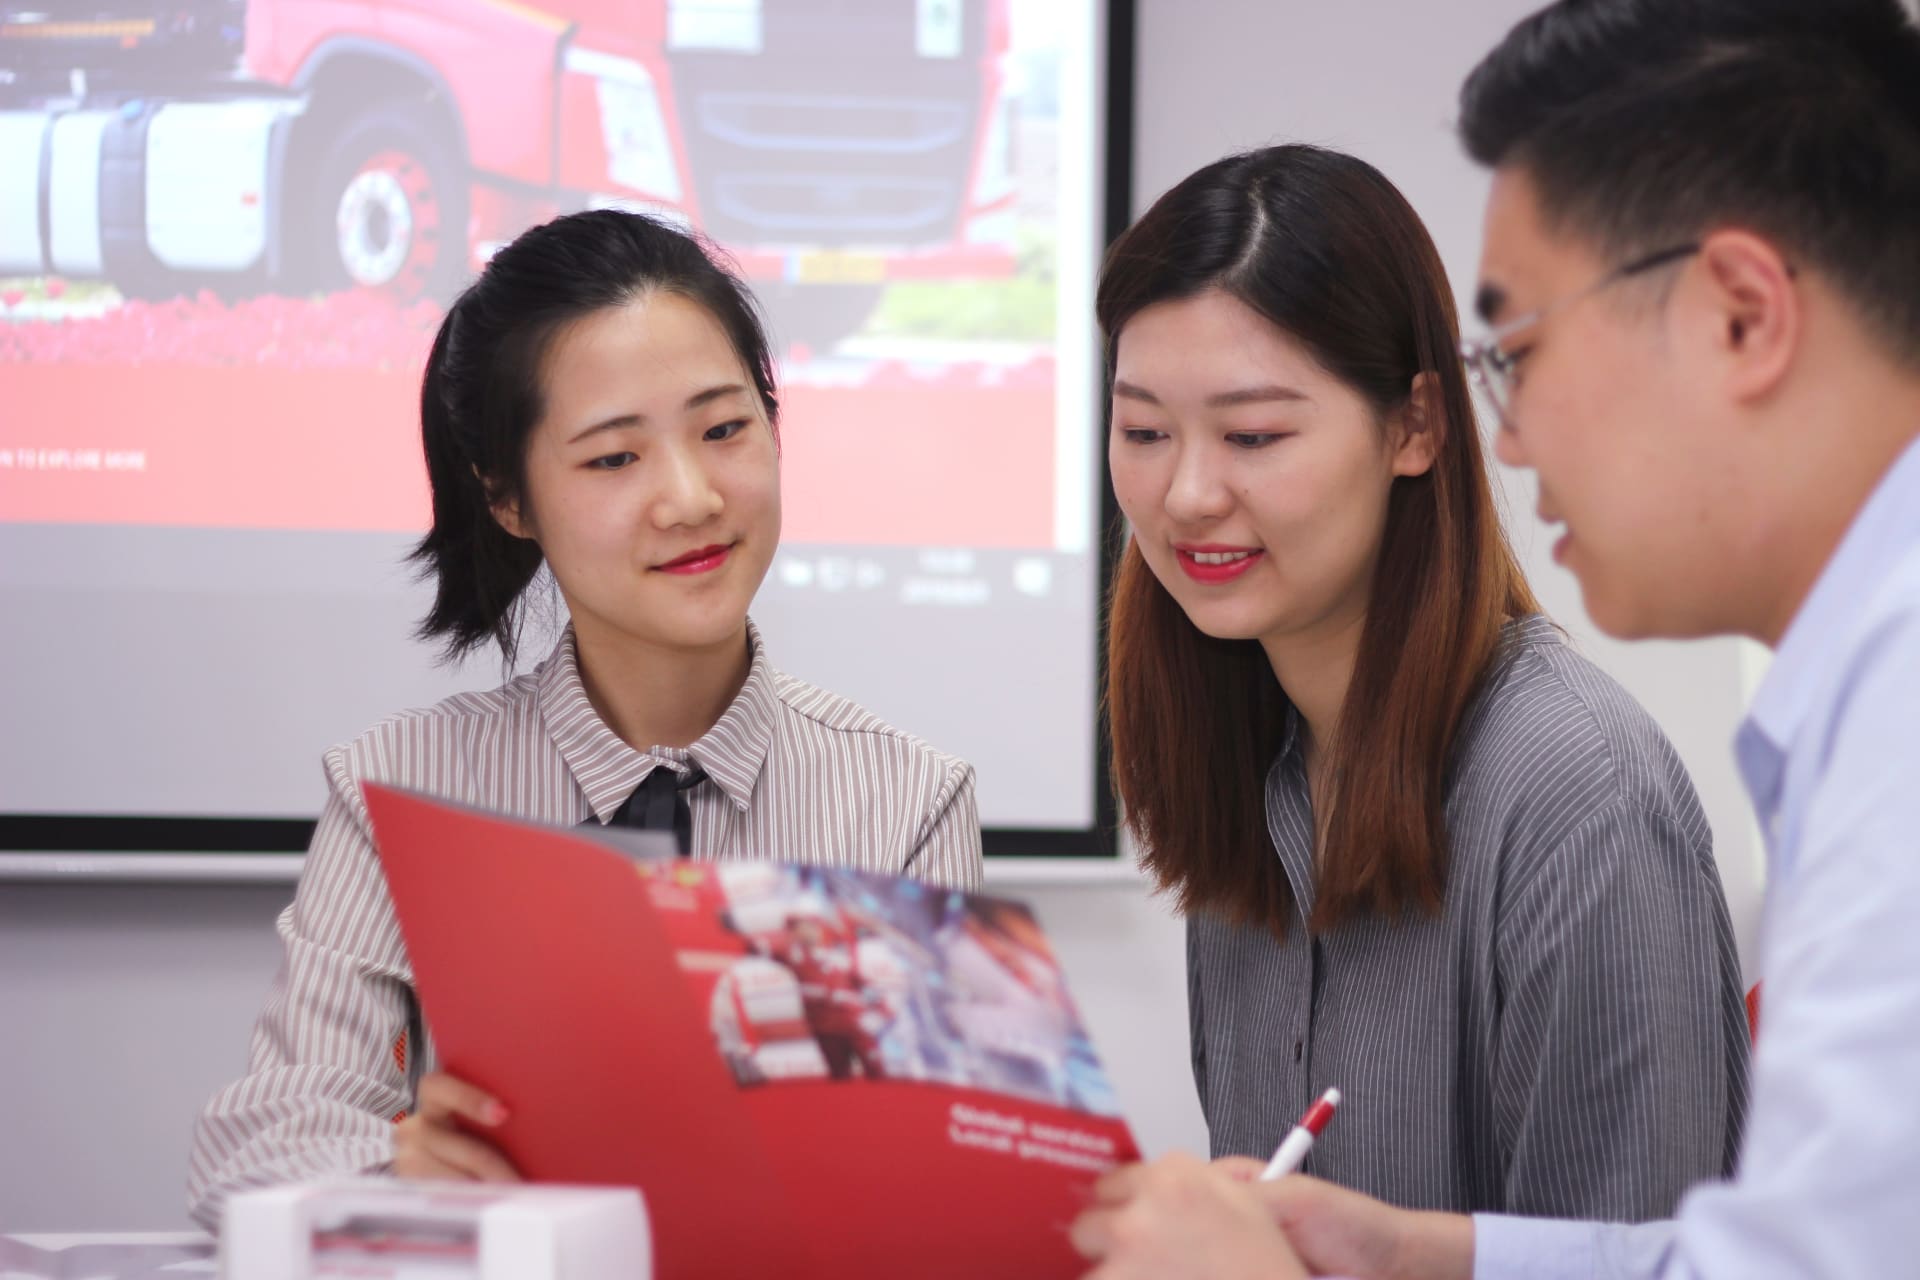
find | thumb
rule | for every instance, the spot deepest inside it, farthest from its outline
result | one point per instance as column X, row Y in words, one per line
column 1240, row 1168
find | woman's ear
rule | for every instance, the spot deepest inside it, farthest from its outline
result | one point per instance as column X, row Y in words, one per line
column 505, row 510
column 1419, row 427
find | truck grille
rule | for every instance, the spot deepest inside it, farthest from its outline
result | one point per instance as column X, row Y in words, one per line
column 834, row 208
column 842, row 123
column 838, row 132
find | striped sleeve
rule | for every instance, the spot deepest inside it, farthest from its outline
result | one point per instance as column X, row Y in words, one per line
column 947, row 853
column 324, row 1083
column 1610, row 1091
column 1197, row 1016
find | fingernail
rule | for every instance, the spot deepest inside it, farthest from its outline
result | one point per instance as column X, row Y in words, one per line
column 496, row 1114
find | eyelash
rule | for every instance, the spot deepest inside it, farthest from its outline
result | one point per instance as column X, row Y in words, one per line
column 1248, row 440
column 625, row 458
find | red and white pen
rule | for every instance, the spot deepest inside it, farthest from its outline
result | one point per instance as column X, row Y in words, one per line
column 1294, row 1147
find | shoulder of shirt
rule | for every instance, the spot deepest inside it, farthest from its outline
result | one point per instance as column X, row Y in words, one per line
column 1559, row 740
column 1875, row 660
column 1895, row 606
column 814, row 706
column 445, row 726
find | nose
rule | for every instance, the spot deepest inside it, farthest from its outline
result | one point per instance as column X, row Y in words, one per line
column 686, row 494
column 1198, row 491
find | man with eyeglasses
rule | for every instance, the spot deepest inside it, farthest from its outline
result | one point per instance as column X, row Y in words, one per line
column 1702, row 273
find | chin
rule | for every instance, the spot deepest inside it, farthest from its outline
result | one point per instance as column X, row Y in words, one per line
column 698, row 639
column 1618, row 629
column 705, row 631
column 1626, row 616
column 1610, row 612
column 1217, row 625
column 690, row 626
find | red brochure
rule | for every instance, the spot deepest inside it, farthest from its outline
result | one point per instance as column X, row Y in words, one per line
column 808, row 1072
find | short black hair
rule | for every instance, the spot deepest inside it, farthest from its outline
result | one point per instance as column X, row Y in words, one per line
column 483, row 393
column 1645, row 124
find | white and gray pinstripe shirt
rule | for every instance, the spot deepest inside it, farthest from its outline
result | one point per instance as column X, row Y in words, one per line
column 795, row 774
column 1566, row 1037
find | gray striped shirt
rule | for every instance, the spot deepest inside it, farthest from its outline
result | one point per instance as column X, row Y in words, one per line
column 1566, row 1037
column 795, row 774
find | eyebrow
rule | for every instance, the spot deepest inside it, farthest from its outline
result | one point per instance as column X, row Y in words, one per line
column 694, row 401
column 1490, row 301
column 1220, row 399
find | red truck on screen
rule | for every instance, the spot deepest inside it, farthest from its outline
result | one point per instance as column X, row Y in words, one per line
column 302, row 146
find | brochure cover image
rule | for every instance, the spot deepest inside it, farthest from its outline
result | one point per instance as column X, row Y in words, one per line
column 807, row 1071
column 812, row 973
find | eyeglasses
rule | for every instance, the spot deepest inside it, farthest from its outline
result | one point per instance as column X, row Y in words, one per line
column 1492, row 369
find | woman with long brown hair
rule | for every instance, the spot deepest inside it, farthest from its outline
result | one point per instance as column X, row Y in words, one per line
column 1427, row 853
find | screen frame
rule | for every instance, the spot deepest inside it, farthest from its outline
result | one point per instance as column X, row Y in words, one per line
column 209, row 847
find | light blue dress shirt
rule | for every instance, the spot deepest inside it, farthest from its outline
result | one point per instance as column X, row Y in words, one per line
column 1828, row 1184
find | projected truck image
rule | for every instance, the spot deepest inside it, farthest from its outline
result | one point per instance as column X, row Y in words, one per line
column 297, row 145
column 255, row 210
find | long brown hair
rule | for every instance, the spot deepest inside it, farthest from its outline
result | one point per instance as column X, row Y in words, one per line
column 1328, row 251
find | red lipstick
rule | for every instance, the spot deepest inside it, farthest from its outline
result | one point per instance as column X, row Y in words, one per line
column 705, row 560
column 1213, row 563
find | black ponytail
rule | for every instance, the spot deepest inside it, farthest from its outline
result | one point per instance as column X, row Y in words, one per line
column 479, row 569
column 483, row 394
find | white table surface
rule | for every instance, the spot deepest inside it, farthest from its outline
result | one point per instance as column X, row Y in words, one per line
column 126, row 1255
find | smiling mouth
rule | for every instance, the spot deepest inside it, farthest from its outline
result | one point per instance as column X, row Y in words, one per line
column 1217, row 564
column 705, row 560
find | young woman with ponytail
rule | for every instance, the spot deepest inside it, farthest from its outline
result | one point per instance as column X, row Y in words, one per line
column 1427, row 853
column 601, row 403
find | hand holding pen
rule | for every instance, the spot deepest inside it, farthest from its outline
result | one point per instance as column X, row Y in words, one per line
column 1294, row 1147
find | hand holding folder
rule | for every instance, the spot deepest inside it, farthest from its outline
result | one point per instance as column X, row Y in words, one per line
column 808, row 1071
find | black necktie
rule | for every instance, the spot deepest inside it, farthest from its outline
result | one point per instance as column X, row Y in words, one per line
column 659, row 803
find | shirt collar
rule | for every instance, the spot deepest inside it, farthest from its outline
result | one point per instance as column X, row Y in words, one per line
column 607, row 769
column 1821, row 637
column 735, row 750
column 1532, row 628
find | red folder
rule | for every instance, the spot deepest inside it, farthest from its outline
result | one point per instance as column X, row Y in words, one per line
column 808, row 1072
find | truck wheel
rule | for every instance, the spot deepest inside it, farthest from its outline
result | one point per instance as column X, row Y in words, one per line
column 390, row 209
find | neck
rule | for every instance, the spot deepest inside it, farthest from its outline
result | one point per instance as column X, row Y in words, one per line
column 655, row 696
column 1822, row 478
column 1314, row 668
